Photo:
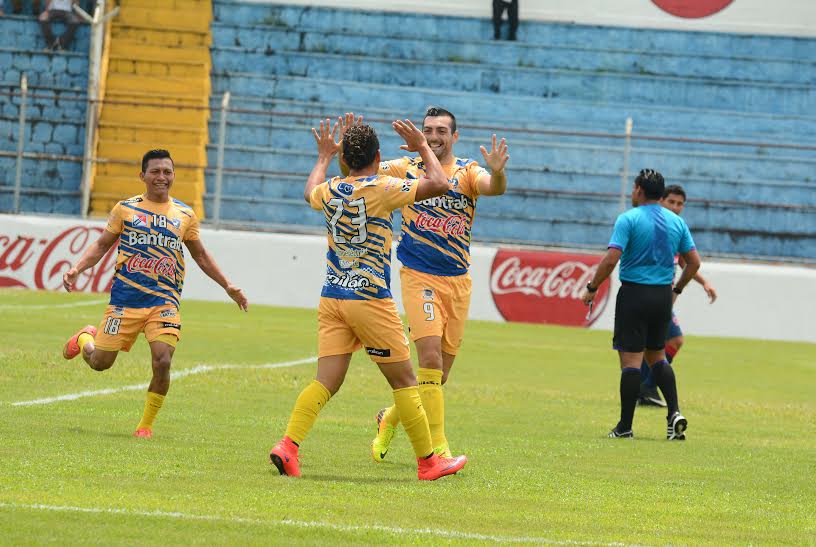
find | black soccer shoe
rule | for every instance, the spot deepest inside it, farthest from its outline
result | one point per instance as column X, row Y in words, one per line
column 676, row 426
column 650, row 397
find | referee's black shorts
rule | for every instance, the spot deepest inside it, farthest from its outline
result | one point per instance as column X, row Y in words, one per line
column 642, row 316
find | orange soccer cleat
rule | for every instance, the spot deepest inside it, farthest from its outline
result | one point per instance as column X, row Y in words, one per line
column 143, row 433
column 437, row 466
column 284, row 456
column 71, row 348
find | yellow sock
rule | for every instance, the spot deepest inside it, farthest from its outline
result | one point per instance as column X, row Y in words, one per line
column 307, row 407
column 152, row 406
column 83, row 339
column 413, row 418
column 430, row 389
column 391, row 416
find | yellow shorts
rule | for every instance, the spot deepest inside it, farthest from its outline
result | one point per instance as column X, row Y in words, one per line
column 436, row 305
column 121, row 326
column 346, row 325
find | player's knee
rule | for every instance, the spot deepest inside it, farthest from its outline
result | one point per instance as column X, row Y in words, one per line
column 100, row 362
column 161, row 364
column 677, row 342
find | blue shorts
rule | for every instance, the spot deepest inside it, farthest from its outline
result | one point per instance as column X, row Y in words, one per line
column 674, row 328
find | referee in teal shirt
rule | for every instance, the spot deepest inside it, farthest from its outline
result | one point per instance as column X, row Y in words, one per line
column 645, row 241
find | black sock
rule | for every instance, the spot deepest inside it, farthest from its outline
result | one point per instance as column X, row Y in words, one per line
column 663, row 374
column 629, row 391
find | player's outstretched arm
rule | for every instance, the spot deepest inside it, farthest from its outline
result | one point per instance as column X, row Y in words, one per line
column 208, row 265
column 605, row 269
column 89, row 258
column 327, row 147
column 496, row 183
column 434, row 183
column 346, row 121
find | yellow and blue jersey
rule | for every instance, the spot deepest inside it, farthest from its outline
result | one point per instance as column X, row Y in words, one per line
column 150, row 263
column 435, row 235
column 358, row 214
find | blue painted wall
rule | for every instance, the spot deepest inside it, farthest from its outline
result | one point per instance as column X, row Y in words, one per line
column 302, row 63
column 55, row 124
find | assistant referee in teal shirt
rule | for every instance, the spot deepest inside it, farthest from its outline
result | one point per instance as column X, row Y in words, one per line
column 645, row 240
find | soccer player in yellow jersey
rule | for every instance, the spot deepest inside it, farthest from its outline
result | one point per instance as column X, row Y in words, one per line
column 434, row 249
column 149, row 229
column 356, row 309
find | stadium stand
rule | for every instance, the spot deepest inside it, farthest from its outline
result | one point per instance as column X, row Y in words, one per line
column 55, row 116
column 295, row 63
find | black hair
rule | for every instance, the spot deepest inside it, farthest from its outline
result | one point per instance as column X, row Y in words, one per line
column 434, row 111
column 360, row 146
column 652, row 183
column 674, row 189
column 156, row 154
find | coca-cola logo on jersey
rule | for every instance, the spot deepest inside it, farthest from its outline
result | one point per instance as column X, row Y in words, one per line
column 38, row 262
column 165, row 265
column 545, row 287
column 454, row 225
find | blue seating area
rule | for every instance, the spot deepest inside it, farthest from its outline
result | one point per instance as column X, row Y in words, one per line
column 55, row 116
column 286, row 66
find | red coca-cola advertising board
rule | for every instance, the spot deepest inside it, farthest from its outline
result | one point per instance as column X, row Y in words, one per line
column 545, row 287
column 35, row 256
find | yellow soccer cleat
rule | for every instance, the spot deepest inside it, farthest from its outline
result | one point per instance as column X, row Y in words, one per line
column 382, row 442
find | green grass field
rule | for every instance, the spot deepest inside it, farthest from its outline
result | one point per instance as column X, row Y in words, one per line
column 530, row 405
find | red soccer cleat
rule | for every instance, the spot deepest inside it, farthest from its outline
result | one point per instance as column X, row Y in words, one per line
column 71, row 347
column 436, row 466
column 143, row 433
column 284, row 456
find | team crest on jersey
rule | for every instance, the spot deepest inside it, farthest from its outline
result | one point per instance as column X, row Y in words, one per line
column 454, row 182
column 427, row 294
column 345, row 188
column 139, row 221
column 175, row 222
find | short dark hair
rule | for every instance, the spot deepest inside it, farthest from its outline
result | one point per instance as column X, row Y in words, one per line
column 674, row 189
column 360, row 145
column 652, row 183
column 434, row 111
column 156, row 154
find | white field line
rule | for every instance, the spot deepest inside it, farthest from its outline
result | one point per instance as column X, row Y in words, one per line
column 396, row 530
column 50, row 306
column 199, row 369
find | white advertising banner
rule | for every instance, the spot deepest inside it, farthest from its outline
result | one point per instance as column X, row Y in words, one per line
column 781, row 17
column 536, row 286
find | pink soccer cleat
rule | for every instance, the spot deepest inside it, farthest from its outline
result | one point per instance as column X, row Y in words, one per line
column 284, row 456
column 71, row 347
column 143, row 433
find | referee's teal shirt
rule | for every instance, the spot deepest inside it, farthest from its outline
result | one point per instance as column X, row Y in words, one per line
column 649, row 237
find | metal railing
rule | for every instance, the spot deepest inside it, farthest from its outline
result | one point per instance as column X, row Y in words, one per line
column 224, row 112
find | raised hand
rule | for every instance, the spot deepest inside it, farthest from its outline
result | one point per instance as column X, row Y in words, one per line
column 413, row 137
column 497, row 158
column 347, row 121
column 325, row 138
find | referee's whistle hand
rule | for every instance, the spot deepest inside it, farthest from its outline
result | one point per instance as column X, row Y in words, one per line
column 587, row 297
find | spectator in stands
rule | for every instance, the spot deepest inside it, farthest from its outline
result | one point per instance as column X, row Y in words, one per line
column 17, row 6
column 60, row 10
column 499, row 7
